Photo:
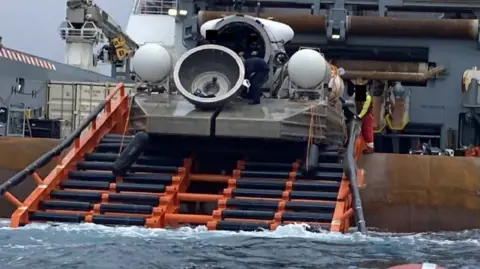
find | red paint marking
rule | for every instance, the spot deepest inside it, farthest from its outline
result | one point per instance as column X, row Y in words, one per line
column 9, row 55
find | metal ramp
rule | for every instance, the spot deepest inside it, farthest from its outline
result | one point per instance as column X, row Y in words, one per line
column 159, row 188
column 263, row 195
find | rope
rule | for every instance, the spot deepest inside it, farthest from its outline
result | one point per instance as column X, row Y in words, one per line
column 310, row 137
column 125, row 129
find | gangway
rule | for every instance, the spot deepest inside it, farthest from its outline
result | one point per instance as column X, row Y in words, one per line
column 256, row 194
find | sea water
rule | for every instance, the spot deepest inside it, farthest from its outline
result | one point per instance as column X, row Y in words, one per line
column 86, row 246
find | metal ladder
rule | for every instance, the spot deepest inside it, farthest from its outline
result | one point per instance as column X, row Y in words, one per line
column 17, row 121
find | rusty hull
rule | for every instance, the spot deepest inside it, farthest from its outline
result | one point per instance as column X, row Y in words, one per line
column 15, row 155
column 412, row 193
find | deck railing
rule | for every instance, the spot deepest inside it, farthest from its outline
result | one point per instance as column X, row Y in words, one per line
column 154, row 7
column 74, row 138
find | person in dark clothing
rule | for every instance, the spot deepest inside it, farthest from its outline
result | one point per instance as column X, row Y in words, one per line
column 256, row 71
column 202, row 42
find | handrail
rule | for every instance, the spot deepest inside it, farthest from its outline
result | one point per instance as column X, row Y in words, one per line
column 350, row 169
column 154, row 7
column 55, row 152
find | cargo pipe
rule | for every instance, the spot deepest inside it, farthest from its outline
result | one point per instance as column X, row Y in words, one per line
column 350, row 169
column 407, row 67
column 47, row 157
column 369, row 25
column 298, row 22
column 395, row 27
column 395, row 76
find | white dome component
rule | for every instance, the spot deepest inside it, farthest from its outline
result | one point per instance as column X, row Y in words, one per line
column 277, row 31
column 307, row 68
column 152, row 62
column 272, row 34
column 221, row 73
column 209, row 25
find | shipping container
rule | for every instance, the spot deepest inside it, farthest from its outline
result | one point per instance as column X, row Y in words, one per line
column 72, row 102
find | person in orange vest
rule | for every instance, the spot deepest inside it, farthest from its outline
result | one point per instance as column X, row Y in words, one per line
column 366, row 116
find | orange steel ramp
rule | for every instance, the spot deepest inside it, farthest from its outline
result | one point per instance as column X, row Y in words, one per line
column 253, row 195
column 414, row 193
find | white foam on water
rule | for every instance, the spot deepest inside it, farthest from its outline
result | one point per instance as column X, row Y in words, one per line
column 288, row 231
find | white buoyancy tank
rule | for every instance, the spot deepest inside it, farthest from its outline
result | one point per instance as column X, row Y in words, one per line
column 307, row 68
column 276, row 31
column 152, row 63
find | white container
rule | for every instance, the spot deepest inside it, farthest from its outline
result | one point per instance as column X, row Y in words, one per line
column 72, row 102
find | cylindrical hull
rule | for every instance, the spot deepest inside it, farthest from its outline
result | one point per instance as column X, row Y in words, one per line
column 413, row 193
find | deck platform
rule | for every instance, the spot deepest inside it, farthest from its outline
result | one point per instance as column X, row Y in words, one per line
column 272, row 119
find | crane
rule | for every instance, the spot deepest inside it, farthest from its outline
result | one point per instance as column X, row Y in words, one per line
column 86, row 26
